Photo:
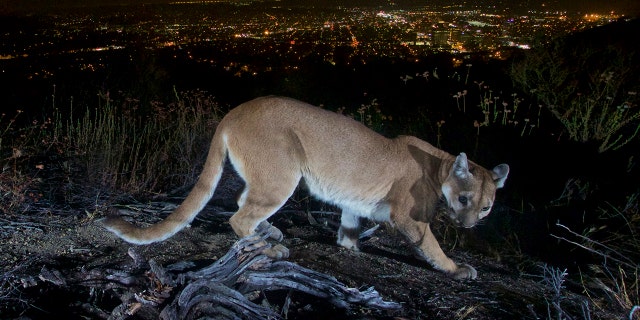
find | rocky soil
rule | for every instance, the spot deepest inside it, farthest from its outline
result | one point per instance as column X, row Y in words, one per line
column 65, row 266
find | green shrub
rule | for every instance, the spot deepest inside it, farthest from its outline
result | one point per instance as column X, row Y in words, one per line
column 591, row 90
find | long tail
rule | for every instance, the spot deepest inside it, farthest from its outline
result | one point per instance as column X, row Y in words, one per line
column 187, row 211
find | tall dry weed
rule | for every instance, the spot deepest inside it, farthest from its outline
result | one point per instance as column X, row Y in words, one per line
column 134, row 150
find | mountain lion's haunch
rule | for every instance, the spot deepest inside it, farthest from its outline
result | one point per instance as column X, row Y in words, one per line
column 275, row 142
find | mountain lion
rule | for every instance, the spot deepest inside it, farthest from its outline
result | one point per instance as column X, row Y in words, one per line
column 274, row 142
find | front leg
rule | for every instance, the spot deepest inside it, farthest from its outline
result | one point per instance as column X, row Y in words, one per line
column 349, row 230
column 427, row 247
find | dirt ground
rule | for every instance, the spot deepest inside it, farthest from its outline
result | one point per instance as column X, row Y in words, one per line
column 32, row 249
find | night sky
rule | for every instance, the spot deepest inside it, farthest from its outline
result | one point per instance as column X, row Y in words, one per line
column 630, row 7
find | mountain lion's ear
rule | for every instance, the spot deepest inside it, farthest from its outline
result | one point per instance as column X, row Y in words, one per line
column 461, row 167
column 499, row 174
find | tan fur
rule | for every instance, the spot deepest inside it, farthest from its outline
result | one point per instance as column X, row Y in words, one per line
column 274, row 142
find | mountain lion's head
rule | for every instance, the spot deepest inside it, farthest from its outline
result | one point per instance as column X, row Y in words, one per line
column 470, row 190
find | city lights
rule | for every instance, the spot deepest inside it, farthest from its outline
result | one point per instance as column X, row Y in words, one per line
column 247, row 29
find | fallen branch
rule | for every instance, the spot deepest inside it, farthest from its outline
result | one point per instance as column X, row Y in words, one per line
column 223, row 289
column 290, row 276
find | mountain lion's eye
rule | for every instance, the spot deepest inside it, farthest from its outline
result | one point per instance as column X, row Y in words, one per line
column 486, row 208
column 463, row 199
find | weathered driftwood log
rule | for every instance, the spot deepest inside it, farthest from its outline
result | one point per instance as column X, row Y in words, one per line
column 222, row 289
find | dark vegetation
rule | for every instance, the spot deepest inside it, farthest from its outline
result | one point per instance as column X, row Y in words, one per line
column 564, row 117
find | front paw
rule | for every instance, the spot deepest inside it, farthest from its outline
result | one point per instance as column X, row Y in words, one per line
column 464, row 271
column 348, row 243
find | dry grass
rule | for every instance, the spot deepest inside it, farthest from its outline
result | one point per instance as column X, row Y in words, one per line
column 128, row 149
column 116, row 148
column 19, row 177
column 615, row 282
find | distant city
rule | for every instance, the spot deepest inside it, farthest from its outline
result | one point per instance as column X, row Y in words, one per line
column 339, row 35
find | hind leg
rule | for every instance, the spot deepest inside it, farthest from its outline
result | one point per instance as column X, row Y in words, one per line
column 270, row 165
column 249, row 217
column 260, row 200
column 274, row 233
